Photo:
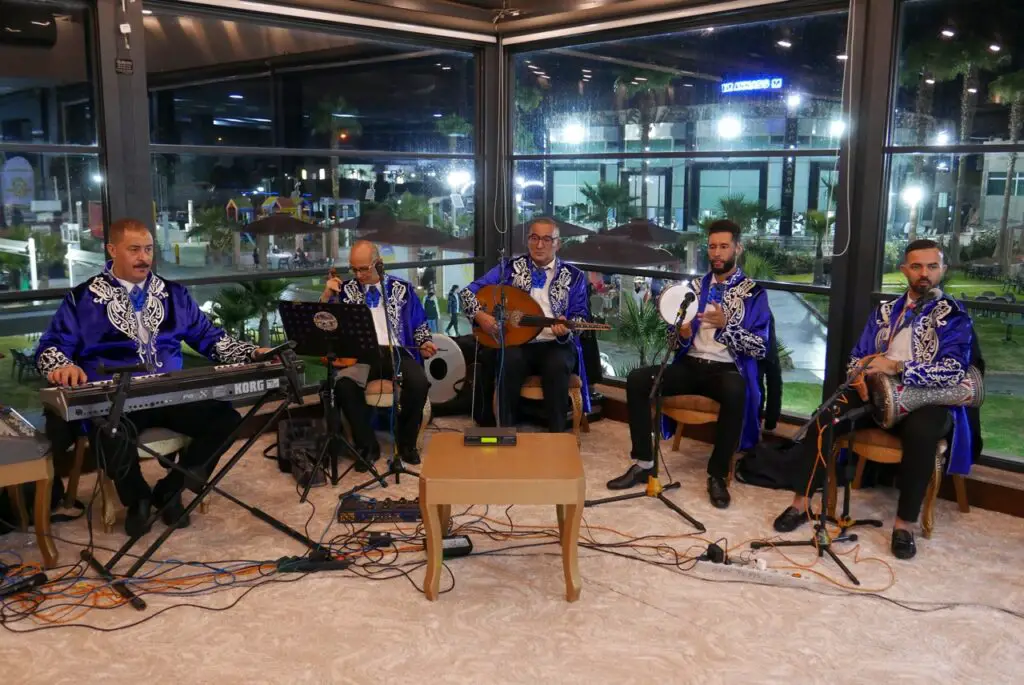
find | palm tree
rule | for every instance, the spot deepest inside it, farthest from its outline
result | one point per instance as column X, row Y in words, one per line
column 758, row 266
column 647, row 90
column 527, row 100
column 817, row 224
column 335, row 119
column 604, row 198
column 747, row 214
column 641, row 326
column 965, row 60
column 918, row 72
column 1009, row 88
column 453, row 127
column 263, row 297
column 232, row 309
column 213, row 225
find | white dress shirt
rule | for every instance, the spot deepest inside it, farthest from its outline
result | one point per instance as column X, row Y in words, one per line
column 706, row 347
column 543, row 298
column 140, row 330
column 380, row 322
column 900, row 349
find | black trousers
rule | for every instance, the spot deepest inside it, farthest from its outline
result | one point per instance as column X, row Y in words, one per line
column 412, row 397
column 208, row 424
column 919, row 433
column 720, row 381
column 453, row 323
column 554, row 362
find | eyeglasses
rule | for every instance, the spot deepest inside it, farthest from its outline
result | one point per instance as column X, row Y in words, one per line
column 544, row 240
column 361, row 270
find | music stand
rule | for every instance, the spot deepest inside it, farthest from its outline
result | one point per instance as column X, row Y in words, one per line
column 331, row 330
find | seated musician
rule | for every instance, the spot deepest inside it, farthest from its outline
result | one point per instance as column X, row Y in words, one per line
column 128, row 315
column 717, row 358
column 396, row 309
column 923, row 339
column 555, row 354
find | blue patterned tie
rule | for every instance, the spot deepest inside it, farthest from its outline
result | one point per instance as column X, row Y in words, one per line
column 372, row 297
column 138, row 297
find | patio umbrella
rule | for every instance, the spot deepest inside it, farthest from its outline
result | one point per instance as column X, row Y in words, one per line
column 370, row 221
column 408, row 234
column 644, row 231
column 612, row 251
column 280, row 224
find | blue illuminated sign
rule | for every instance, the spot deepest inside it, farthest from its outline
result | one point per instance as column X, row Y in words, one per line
column 752, row 85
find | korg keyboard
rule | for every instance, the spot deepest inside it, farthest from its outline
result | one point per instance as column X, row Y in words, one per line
column 225, row 382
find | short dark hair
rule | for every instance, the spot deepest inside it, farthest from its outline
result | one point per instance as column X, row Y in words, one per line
column 922, row 244
column 122, row 226
column 725, row 226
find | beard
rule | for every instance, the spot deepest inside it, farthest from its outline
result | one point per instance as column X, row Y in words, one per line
column 726, row 267
column 921, row 287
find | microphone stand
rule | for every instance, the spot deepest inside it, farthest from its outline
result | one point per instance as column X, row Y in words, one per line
column 654, row 487
column 821, row 539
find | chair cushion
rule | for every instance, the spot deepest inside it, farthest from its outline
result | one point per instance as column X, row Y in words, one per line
column 691, row 403
column 535, row 382
column 163, row 441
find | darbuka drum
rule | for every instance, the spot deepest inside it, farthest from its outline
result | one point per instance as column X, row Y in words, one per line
column 669, row 301
column 893, row 401
column 446, row 370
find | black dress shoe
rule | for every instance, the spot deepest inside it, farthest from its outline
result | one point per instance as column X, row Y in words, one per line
column 172, row 510
column 411, row 456
column 718, row 492
column 634, row 476
column 790, row 520
column 136, row 519
column 903, row 546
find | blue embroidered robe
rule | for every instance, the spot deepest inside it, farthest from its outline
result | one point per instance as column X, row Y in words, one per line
column 745, row 335
column 403, row 308
column 97, row 324
column 941, row 335
column 567, row 293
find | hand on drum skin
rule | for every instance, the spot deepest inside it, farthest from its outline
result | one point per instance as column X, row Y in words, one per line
column 712, row 316
column 488, row 323
column 68, row 376
column 428, row 349
column 559, row 330
column 882, row 365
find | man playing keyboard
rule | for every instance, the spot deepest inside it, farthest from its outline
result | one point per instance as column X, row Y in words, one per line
column 128, row 315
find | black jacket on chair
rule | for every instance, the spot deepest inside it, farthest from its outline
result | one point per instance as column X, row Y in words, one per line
column 769, row 371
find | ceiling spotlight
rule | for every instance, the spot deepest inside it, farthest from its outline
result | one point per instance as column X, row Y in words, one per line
column 995, row 48
column 528, row 62
column 437, row 115
column 842, row 58
column 236, row 96
column 793, row 100
column 784, row 44
column 446, row 68
column 585, row 71
column 687, row 85
column 930, row 81
column 972, row 91
column 639, row 78
column 948, row 33
column 147, row 12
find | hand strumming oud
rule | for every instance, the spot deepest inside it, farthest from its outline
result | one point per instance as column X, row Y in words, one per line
column 523, row 320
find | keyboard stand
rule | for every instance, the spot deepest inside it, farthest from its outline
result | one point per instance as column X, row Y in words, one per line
column 117, row 582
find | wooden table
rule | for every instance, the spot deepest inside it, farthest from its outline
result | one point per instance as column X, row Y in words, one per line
column 543, row 468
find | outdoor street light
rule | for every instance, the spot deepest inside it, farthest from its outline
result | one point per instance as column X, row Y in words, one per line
column 730, row 127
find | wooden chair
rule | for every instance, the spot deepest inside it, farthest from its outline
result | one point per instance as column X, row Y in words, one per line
column 533, row 390
column 380, row 395
column 16, row 469
column 164, row 442
column 692, row 410
column 874, row 444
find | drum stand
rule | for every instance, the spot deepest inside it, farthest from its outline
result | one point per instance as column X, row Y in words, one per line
column 822, row 540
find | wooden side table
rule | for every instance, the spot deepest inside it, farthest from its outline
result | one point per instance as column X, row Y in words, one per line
column 543, row 468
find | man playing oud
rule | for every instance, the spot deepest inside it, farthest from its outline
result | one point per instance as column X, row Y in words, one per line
column 555, row 354
column 923, row 339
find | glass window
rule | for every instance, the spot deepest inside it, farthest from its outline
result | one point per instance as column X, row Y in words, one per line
column 46, row 89
column 22, row 325
column 746, row 87
column 922, row 199
column 958, row 72
column 238, row 82
column 417, row 210
column 786, row 207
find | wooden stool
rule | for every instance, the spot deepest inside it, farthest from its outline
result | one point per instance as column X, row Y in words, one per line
column 692, row 410
column 874, row 444
column 163, row 441
column 532, row 390
column 16, row 469
column 380, row 395
column 543, row 468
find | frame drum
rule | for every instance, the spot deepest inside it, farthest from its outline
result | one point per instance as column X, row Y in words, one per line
column 669, row 301
column 445, row 370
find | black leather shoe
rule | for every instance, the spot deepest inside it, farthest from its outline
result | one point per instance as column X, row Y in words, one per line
column 903, row 546
column 634, row 476
column 718, row 492
column 411, row 456
column 136, row 519
column 173, row 511
column 790, row 520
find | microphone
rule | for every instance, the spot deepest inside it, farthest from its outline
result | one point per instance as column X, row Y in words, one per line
column 852, row 416
column 687, row 301
column 25, row 585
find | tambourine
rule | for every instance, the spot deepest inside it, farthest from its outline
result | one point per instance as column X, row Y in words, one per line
column 670, row 300
column 446, row 370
